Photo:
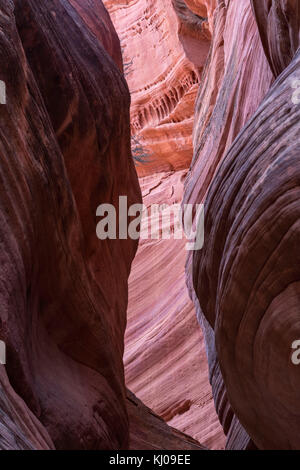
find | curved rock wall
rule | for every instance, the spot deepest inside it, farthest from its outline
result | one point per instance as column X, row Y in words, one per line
column 278, row 23
column 150, row 432
column 64, row 345
column 91, row 124
column 236, row 78
column 245, row 277
column 165, row 363
column 252, row 228
column 65, row 148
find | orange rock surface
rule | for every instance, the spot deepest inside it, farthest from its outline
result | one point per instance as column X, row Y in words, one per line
column 164, row 48
column 216, row 79
column 63, row 330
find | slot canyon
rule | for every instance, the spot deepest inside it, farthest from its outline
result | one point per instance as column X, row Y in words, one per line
column 139, row 343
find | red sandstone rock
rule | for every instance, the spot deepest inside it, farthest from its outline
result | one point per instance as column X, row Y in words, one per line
column 164, row 44
column 165, row 362
column 91, row 124
column 63, row 294
column 19, row 428
column 63, row 327
column 236, row 78
column 246, row 278
column 252, row 258
column 98, row 20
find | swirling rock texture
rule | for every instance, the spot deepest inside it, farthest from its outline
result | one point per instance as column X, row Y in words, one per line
column 63, row 331
column 236, row 78
column 246, row 278
column 65, row 148
column 278, row 23
column 165, row 46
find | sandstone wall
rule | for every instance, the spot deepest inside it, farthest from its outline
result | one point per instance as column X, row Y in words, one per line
column 245, row 142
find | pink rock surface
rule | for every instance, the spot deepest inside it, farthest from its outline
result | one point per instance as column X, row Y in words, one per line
column 278, row 22
column 19, row 428
column 65, row 148
column 63, row 293
column 245, row 277
column 164, row 359
column 150, row 432
column 165, row 47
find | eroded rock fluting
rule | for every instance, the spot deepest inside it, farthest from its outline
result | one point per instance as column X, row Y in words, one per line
column 256, row 329
column 164, row 47
column 65, row 148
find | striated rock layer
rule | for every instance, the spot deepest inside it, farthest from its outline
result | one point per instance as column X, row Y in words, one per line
column 164, row 46
column 278, row 22
column 91, row 124
column 165, row 363
column 150, row 432
column 236, row 78
column 254, row 333
column 63, row 330
column 246, row 278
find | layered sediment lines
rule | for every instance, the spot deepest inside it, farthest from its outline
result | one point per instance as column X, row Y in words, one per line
column 245, row 281
column 236, row 78
column 165, row 363
column 164, row 47
column 65, row 147
column 149, row 431
column 256, row 257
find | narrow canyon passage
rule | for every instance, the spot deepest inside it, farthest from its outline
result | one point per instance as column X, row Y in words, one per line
column 165, row 361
